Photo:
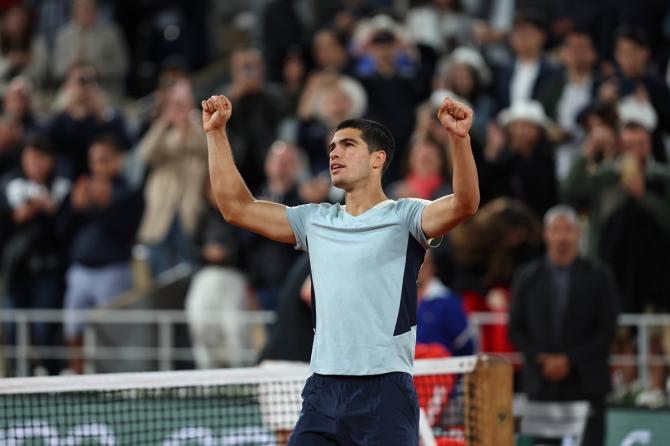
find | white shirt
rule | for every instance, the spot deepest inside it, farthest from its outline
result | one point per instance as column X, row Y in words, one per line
column 523, row 80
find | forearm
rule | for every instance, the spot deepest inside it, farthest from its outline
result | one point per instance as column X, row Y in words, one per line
column 465, row 181
column 230, row 191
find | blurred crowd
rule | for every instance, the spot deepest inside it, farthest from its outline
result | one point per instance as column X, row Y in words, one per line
column 102, row 149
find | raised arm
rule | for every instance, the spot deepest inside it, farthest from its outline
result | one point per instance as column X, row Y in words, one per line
column 446, row 212
column 232, row 195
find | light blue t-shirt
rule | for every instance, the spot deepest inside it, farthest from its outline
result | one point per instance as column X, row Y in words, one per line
column 364, row 272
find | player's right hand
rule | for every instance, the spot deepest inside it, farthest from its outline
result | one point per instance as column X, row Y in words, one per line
column 216, row 112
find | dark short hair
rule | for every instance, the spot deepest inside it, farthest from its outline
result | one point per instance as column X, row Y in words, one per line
column 39, row 143
column 109, row 140
column 375, row 135
column 532, row 16
column 633, row 33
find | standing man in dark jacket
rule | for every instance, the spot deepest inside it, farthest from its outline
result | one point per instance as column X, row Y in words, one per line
column 101, row 219
column 563, row 319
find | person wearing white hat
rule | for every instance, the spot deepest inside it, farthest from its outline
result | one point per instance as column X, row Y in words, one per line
column 518, row 162
column 465, row 74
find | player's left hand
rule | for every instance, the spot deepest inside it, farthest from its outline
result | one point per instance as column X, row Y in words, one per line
column 455, row 117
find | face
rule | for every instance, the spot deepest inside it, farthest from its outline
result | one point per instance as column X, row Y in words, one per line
column 84, row 12
column 523, row 135
column 562, row 239
column 246, row 66
column 578, row 52
column 384, row 53
column 282, row 163
column 462, row 80
column 351, row 163
column 527, row 39
column 104, row 161
column 327, row 50
column 336, row 104
column 81, row 83
column 424, row 159
column 17, row 99
column 37, row 165
column 636, row 142
column 631, row 57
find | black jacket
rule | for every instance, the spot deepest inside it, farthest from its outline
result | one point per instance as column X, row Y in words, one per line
column 588, row 328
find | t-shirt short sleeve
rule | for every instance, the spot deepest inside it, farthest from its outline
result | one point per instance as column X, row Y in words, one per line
column 298, row 217
column 410, row 210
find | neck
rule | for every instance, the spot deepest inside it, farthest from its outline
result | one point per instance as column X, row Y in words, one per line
column 360, row 200
column 578, row 75
column 562, row 261
column 529, row 57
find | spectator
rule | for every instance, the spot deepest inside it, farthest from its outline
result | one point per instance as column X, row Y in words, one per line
column 440, row 315
column 33, row 262
column 216, row 293
column 267, row 261
column 425, row 173
column 635, row 78
column 484, row 253
column 530, row 75
column 440, row 25
column 292, row 336
column 102, row 219
column 629, row 191
column 175, row 150
column 579, row 83
column 329, row 50
column 520, row 163
column 87, row 39
column 85, row 114
column 563, row 319
column 636, row 235
column 327, row 100
column 15, row 43
column 465, row 73
column 388, row 64
column 258, row 111
column 17, row 103
column 11, row 132
column 282, row 29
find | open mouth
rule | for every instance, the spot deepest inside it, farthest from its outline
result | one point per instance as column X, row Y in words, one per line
column 336, row 168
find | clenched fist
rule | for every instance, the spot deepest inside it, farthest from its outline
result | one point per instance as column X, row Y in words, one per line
column 455, row 117
column 216, row 112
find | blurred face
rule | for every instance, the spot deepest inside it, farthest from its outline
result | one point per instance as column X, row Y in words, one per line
column 104, row 161
column 631, row 57
column 636, row 142
column 36, row 165
column 578, row 53
column 351, row 163
column 336, row 104
column 17, row 99
column 462, row 80
column 81, row 83
column 527, row 40
column 247, row 66
column 523, row 135
column 16, row 21
column 282, row 163
column 10, row 133
column 327, row 51
column 384, row 53
column 424, row 159
column 562, row 239
column 84, row 12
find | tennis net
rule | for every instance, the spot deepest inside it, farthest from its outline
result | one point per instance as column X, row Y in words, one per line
column 464, row 401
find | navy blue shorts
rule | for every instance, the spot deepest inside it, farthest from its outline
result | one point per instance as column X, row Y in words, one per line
column 377, row 410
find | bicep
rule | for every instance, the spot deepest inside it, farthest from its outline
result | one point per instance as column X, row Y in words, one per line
column 267, row 219
column 442, row 215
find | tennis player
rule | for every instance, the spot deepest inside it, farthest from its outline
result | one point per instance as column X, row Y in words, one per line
column 365, row 257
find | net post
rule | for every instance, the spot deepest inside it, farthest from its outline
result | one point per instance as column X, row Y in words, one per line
column 488, row 403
